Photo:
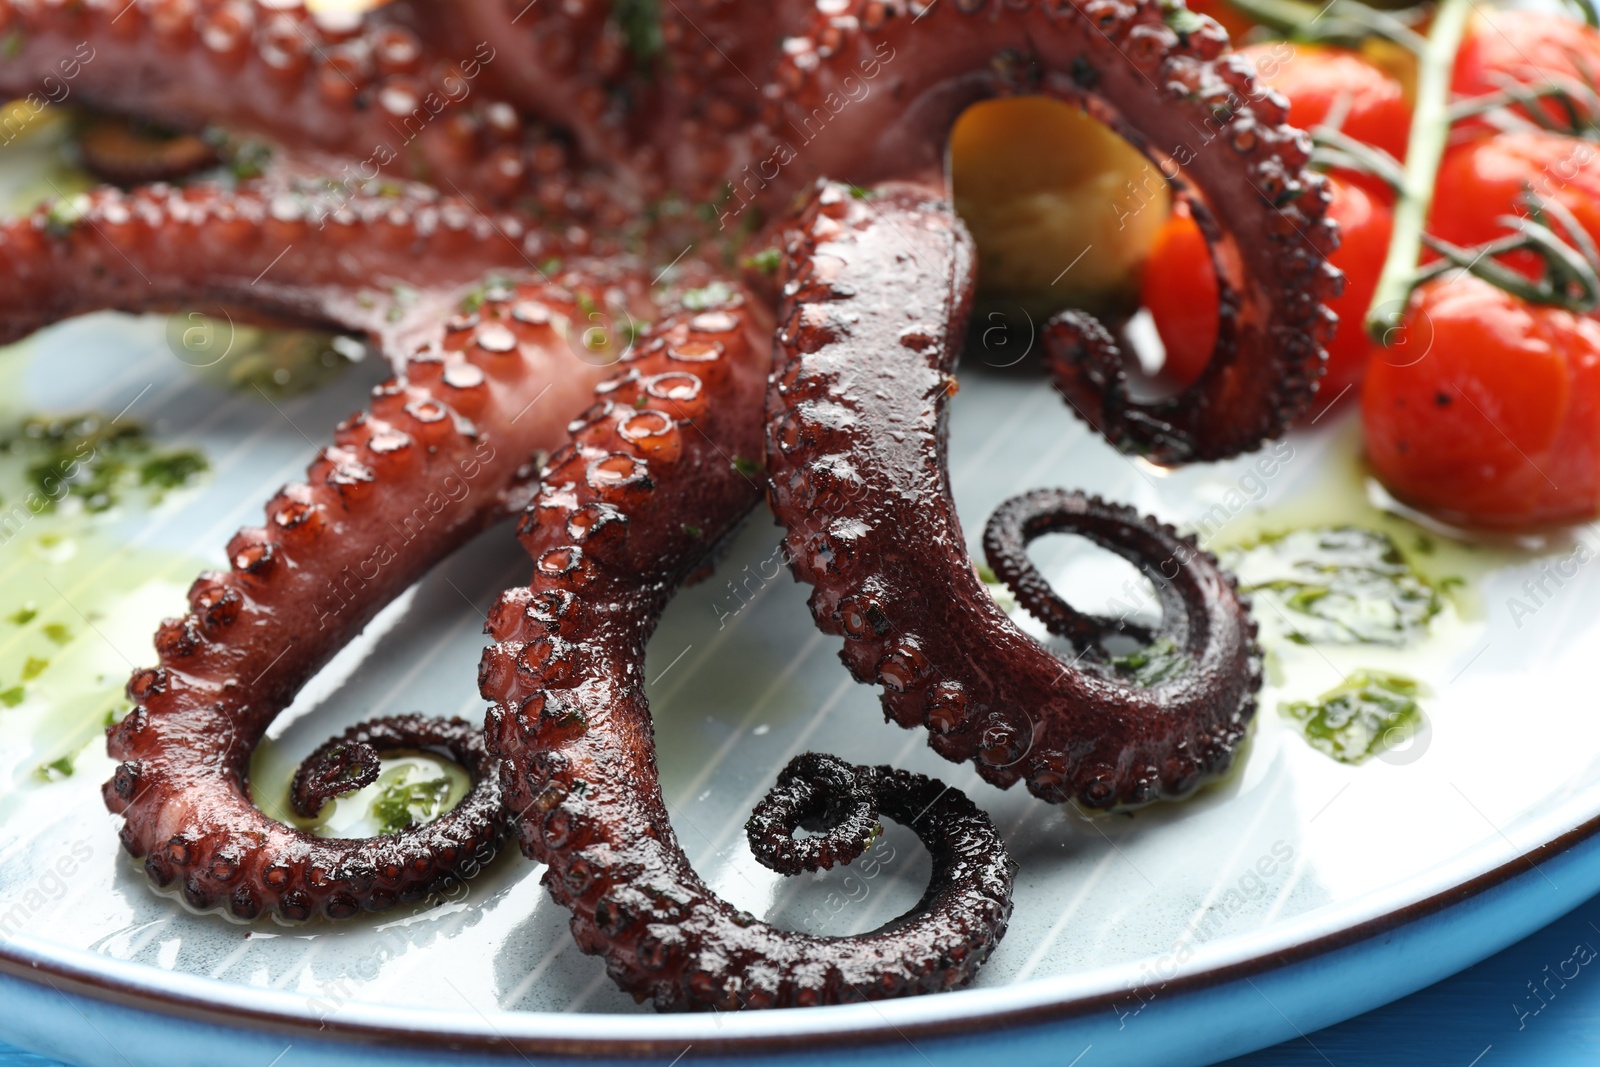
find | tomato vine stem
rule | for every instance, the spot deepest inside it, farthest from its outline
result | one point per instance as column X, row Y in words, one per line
column 1430, row 129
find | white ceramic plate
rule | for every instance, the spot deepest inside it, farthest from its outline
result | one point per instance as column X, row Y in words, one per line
column 1133, row 935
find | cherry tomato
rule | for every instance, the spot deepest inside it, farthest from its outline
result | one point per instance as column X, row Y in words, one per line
column 1489, row 415
column 1324, row 83
column 1482, row 180
column 1180, row 289
column 1534, row 48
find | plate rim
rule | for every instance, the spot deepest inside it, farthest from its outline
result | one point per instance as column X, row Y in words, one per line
column 134, row 990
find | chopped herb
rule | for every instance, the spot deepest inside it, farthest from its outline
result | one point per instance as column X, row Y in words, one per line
column 693, row 531
column 58, row 632
column 1368, row 712
column 1158, row 662
column 172, row 470
column 767, row 261
column 55, row 770
column 12, row 697
column 860, row 192
column 24, row 615
column 1339, row 585
column 747, row 467
column 551, row 266
column 401, row 804
column 639, row 22
column 85, row 457
column 33, row 667
column 250, row 159
column 11, row 46
column 712, row 296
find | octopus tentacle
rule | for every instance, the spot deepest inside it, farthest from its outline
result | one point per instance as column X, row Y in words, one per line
column 860, row 442
column 612, row 538
column 823, row 794
column 387, row 91
column 442, row 453
column 1193, row 618
column 1164, row 81
column 402, row 255
column 1022, row 520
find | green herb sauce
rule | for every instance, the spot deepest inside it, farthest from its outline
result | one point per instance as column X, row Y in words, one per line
column 1368, row 712
column 94, row 462
column 401, row 803
column 1342, row 585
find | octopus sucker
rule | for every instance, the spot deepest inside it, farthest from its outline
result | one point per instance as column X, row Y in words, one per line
column 872, row 526
column 623, row 517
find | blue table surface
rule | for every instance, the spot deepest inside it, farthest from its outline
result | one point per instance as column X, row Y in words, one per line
column 1513, row 1008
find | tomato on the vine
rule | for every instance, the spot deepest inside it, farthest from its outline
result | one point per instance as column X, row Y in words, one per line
column 1489, row 414
column 1483, row 180
column 1534, row 48
column 1336, row 85
column 1179, row 287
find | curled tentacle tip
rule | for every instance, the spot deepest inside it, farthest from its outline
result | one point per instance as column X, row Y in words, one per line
column 341, row 766
column 835, row 800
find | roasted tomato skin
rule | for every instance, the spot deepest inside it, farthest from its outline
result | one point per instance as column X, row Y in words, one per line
column 1321, row 81
column 1489, row 414
column 1179, row 287
column 1484, row 179
column 1535, row 48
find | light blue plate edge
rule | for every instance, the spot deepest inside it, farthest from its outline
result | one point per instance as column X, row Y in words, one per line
column 1263, row 1002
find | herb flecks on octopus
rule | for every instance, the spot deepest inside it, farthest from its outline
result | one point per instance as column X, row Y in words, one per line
column 586, row 120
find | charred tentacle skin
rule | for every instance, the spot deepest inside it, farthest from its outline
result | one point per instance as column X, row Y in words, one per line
column 835, row 800
column 350, row 761
column 1200, row 603
column 1178, row 96
column 451, row 436
column 1167, row 559
column 633, row 505
column 855, row 453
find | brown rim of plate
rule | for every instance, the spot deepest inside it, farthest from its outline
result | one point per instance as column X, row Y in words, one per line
column 64, row 978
